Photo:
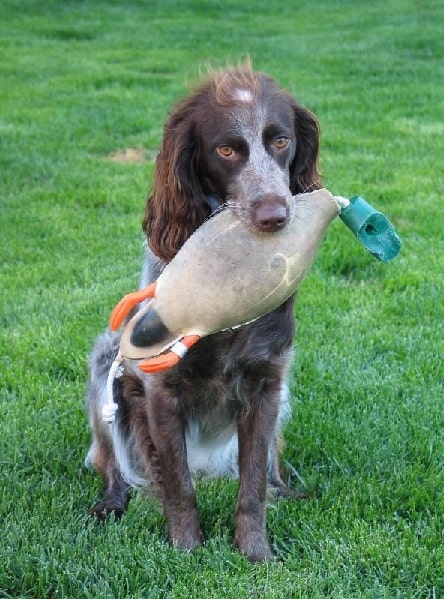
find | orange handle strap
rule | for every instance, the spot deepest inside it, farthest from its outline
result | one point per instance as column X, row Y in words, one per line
column 127, row 303
column 165, row 361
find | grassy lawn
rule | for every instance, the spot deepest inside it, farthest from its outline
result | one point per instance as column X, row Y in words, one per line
column 82, row 81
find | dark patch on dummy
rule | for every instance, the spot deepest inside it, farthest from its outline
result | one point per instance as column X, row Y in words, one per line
column 149, row 330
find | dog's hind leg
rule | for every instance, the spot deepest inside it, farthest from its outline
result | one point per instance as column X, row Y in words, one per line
column 117, row 491
column 101, row 455
column 276, row 485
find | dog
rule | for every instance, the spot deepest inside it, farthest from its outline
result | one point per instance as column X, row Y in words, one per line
column 242, row 142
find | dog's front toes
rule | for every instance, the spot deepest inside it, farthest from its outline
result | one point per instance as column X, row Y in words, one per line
column 255, row 548
column 186, row 540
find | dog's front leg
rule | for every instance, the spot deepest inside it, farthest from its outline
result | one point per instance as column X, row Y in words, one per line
column 170, row 462
column 255, row 431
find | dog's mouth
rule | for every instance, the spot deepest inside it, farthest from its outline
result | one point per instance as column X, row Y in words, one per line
column 269, row 214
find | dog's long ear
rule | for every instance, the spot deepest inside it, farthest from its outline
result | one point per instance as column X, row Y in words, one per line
column 177, row 206
column 304, row 174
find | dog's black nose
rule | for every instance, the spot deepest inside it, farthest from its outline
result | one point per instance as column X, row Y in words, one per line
column 270, row 214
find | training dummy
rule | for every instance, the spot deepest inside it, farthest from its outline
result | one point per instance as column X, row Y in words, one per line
column 227, row 275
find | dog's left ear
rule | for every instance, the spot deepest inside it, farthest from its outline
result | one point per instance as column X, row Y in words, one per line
column 304, row 174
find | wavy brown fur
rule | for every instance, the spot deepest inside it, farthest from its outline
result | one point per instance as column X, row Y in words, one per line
column 177, row 205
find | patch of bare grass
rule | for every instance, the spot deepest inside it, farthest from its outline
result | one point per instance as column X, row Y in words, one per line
column 130, row 155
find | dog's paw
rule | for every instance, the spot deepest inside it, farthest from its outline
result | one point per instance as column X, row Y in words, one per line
column 255, row 547
column 105, row 508
column 186, row 540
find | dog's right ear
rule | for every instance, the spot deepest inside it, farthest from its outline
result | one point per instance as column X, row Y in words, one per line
column 177, row 206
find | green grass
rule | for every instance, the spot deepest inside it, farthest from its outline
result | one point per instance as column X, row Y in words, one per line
column 80, row 80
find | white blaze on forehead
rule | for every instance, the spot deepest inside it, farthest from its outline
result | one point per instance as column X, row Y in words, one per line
column 243, row 95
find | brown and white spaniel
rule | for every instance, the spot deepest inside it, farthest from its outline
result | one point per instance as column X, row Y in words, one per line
column 242, row 142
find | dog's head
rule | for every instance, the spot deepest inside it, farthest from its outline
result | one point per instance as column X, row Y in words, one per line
column 241, row 140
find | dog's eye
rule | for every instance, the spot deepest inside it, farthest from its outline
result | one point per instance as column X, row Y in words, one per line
column 281, row 142
column 225, row 151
